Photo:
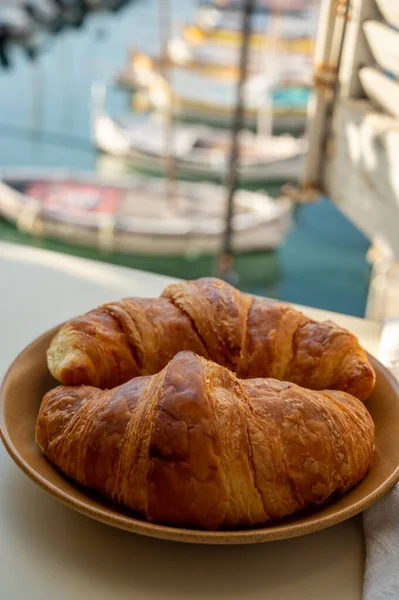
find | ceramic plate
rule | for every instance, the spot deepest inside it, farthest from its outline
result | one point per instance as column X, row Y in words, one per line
column 28, row 380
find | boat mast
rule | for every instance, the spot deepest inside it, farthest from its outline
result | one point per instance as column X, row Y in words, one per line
column 168, row 114
column 36, row 97
column 264, row 125
column 226, row 257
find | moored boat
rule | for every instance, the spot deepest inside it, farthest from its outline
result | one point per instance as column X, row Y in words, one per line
column 135, row 215
column 223, row 40
column 260, row 5
column 145, row 71
column 222, row 24
column 211, row 100
column 199, row 151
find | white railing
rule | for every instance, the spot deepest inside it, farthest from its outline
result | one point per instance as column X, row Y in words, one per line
column 354, row 116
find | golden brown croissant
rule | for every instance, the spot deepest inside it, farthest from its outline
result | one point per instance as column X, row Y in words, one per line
column 250, row 336
column 196, row 446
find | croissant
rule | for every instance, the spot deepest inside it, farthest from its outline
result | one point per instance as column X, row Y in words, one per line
column 196, row 446
column 250, row 336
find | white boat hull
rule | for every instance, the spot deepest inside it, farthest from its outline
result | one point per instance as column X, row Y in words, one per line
column 286, row 121
column 111, row 139
column 294, row 25
column 279, row 170
column 261, row 238
column 200, row 97
column 264, row 228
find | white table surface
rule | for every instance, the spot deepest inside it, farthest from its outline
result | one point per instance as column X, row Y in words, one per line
column 49, row 552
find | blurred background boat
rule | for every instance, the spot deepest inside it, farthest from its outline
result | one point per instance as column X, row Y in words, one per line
column 143, row 70
column 259, row 5
column 137, row 216
column 202, row 66
column 196, row 45
column 199, row 152
column 206, row 97
column 215, row 105
column 221, row 22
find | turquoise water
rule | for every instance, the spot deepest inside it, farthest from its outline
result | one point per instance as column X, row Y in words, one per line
column 45, row 121
column 52, row 95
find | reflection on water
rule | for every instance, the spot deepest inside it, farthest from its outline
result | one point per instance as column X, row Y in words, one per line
column 45, row 121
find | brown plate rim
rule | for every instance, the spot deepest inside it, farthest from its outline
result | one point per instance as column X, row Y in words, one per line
column 268, row 533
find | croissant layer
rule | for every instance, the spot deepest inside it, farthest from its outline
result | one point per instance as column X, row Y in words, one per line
column 250, row 336
column 195, row 446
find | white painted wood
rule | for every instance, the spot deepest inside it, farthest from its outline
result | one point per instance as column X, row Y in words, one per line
column 384, row 44
column 320, row 99
column 383, row 296
column 355, row 159
column 355, row 52
column 390, row 11
column 382, row 90
column 362, row 173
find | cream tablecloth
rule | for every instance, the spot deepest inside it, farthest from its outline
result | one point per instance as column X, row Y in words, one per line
column 47, row 551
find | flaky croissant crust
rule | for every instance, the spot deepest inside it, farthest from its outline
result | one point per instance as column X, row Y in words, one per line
column 252, row 337
column 196, row 446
